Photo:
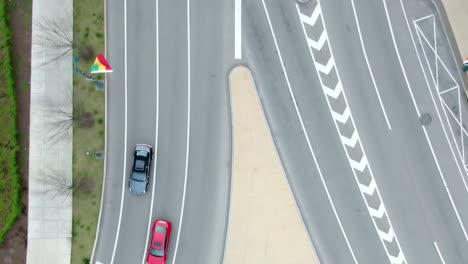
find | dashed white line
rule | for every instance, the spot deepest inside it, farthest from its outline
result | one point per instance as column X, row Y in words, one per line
column 155, row 152
column 438, row 252
column 369, row 67
column 182, row 207
column 238, row 29
column 125, row 136
column 313, row 19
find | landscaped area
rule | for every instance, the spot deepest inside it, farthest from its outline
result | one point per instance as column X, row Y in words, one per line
column 9, row 177
column 88, row 132
column 14, row 106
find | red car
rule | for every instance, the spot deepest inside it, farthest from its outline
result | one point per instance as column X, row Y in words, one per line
column 157, row 252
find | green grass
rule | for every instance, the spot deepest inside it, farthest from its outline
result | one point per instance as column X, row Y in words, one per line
column 9, row 178
column 87, row 26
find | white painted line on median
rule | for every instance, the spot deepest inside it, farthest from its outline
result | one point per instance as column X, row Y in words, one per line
column 438, row 114
column 182, row 207
column 369, row 67
column 305, row 132
column 155, row 147
column 125, row 135
column 438, row 252
column 238, row 29
column 389, row 234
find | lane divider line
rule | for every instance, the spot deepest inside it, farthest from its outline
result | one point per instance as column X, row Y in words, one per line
column 311, row 150
column 357, row 167
column 182, row 207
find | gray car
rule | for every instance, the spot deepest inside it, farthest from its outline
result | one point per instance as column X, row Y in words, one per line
column 139, row 177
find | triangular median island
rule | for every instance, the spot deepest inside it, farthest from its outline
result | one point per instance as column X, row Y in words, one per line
column 265, row 226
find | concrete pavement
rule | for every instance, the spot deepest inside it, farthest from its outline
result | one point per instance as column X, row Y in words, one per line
column 265, row 225
column 49, row 212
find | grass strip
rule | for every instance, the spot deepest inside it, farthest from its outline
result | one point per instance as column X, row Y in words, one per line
column 88, row 34
column 9, row 177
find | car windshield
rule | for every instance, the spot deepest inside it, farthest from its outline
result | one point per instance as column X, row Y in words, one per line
column 157, row 253
column 160, row 229
column 137, row 176
column 139, row 164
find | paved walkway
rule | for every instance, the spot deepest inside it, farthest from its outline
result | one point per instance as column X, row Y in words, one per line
column 263, row 211
column 49, row 212
column 457, row 12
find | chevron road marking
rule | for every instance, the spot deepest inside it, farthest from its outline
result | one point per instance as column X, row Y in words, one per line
column 333, row 92
column 370, row 189
column 397, row 260
column 313, row 18
column 318, row 45
column 342, row 118
column 325, row 68
column 360, row 166
column 351, row 142
column 387, row 236
column 379, row 213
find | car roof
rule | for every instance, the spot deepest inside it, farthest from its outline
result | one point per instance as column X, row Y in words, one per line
column 160, row 237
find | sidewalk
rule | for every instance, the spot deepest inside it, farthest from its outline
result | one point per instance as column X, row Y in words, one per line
column 264, row 219
column 49, row 212
column 457, row 12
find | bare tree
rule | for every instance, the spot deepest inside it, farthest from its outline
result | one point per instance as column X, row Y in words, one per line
column 63, row 119
column 58, row 183
column 55, row 36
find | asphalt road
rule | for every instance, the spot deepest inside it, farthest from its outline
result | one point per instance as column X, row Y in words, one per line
column 168, row 89
column 343, row 86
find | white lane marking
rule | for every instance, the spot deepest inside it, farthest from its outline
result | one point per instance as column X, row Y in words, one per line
column 155, row 148
column 312, row 19
column 445, row 183
column 238, row 29
column 97, row 262
column 430, row 92
column 422, row 18
column 351, row 142
column 125, row 136
column 458, row 146
column 305, row 131
column 417, row 109
column 334, row 92
column 320, row 42
column 182, row 207
column 448, row 90
column 379, row 213
column 368, row 189
column 355, row 165
column 369, row 67
column 387, row 236
column 326, row 68
column 361, row 165
column 438, row 252
column 342, row 118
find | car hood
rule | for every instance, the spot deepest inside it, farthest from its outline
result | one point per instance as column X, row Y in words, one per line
column 138, row 187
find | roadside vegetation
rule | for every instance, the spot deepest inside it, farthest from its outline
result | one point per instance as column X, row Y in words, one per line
column 88, row 128
column 9, row 178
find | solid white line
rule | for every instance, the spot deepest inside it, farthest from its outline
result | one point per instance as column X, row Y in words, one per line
column 125, row 135
column 438, row 252
column 438, row 114
column 238, row 29
column 422, row 18
column 399, row 57
column 448, row 90
column 369, row 67
column 433, row 99
column 445, row 183
column 182, row 207
column 155, row 147
column 305, row 132
column 391, row 229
